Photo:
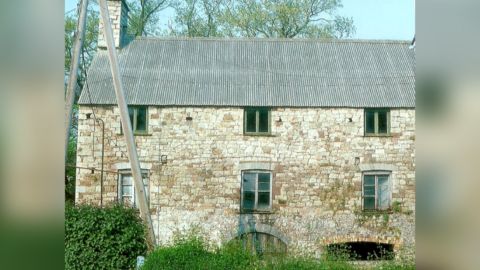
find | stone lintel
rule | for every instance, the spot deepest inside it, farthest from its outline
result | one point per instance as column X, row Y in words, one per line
column 377, row 167
column 126, row 166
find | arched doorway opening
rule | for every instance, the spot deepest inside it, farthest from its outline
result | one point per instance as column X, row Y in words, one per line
column 361, row 251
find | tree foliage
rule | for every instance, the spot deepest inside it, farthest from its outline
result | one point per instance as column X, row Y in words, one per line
column 260, row 19
column 89, row 47
column 144, row 17
column 287, row 18
column 197, row 18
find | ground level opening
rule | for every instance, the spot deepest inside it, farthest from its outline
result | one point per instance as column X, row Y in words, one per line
column 361, row 251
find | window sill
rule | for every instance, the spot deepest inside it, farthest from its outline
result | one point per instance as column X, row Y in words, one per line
column 268, row 212
column 259, row 135
column 138, row 134
column 378, row 135
column 387, row 211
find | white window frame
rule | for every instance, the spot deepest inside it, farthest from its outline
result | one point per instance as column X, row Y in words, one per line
column 377, row 173
column 255, row 207
column 145, row 177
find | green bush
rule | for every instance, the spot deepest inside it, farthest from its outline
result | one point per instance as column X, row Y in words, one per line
column 103, row 238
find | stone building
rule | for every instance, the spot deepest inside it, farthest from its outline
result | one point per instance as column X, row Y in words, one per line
column 300, row 143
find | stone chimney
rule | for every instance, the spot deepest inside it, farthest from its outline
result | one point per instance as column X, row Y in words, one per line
column 118, row 13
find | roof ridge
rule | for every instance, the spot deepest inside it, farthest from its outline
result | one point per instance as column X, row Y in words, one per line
column 319, row 40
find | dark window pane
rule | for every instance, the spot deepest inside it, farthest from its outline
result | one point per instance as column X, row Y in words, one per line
column 262, row 121
column 369, row 179
column 141, row 119
column 264, row 200
column 382, row 122
column 264, row 181
column 264, row 177
column 264, row 186
column 248, row 200
column 249, row 181
column 369, row 190
column 369, row 122
column 369, row 203
column 130, row 113
column 251, row 121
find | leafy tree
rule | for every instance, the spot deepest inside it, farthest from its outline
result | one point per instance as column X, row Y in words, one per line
column 287, row 19
column 89, row 48
column 260, row 18
column 144, row 17
column 71, row 160
column 196, row 18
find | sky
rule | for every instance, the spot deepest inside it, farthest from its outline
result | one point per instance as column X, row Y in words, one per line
column 374, row 19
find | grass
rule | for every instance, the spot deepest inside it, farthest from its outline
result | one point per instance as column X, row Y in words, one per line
column 191, row 251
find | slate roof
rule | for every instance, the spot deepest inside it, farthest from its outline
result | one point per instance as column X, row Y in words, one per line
column 258, row 72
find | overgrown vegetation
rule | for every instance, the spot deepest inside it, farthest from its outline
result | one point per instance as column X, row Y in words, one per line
column 71, row 160
column 103, row 238
column 191, row 251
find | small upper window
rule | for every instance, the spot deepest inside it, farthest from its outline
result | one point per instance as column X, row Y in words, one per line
column 139, row 119
column 377, row 121
column 126, row 187
column 256, row 191
column 257, row 122
column 376, row 191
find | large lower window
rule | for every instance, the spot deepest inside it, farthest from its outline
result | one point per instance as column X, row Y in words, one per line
column 377, row 121
column 257, row 122
column 376, row 191
column 126, row 187
column 256, row 191
column 138, row 119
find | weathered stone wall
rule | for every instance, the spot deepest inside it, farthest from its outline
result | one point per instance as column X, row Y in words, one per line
column 316, row 184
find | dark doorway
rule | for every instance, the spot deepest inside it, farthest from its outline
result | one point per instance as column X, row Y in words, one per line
column 361, row 251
